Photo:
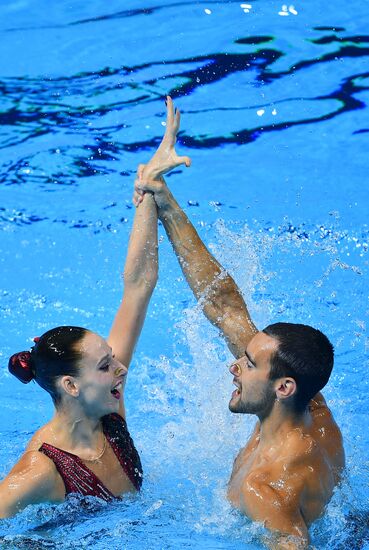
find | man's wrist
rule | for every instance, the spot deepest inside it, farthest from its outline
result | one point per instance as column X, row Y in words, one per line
column 164, row 201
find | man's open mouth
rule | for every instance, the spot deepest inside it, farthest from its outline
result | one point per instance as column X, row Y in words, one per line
column 237, row 391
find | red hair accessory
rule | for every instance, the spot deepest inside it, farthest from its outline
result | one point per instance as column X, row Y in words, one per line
column 36, row 339
column 20, row 366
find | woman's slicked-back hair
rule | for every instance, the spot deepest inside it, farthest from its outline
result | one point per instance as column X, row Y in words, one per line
column 305, row 354
column 54, row 354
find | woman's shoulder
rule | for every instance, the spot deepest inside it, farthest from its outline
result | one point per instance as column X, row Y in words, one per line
column 33, row 479
column 42, row 435
column 35, row 469
column 34, row 462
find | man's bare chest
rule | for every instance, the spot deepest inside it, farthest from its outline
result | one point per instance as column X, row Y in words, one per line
column 250, row 464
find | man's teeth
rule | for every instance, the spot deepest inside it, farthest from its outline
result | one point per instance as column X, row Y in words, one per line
column 238, row 389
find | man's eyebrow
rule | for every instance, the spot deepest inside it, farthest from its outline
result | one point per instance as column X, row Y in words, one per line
column 249, row 358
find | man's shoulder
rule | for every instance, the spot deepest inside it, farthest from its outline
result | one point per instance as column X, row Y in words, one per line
column 301, row 452
column 300, row 456
column 319, row 409
column 320, row 412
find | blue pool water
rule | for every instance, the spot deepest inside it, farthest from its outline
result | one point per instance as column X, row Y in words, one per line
column 275, row 118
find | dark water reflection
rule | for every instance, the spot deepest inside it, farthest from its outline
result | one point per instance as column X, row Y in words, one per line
column 58, row 129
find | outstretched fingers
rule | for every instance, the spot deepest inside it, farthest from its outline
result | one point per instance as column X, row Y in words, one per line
column 173, row 119
column 173, row 124
column 170, row 111
column 185, row 160
column 177, row 122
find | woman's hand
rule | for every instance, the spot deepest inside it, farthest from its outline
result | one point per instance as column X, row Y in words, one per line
column 166, row 158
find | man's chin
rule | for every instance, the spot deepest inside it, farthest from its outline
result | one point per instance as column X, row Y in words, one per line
column 234, row 407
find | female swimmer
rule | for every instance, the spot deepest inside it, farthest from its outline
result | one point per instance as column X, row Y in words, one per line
column 86, row 447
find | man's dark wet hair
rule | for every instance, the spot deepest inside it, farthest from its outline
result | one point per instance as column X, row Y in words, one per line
column 305, row 354
column 54, row 354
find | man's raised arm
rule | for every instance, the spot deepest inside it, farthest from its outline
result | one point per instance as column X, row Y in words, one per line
column 214, row 288
column 218, row 294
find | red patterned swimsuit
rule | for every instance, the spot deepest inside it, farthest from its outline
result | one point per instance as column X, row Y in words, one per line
column 78, row 478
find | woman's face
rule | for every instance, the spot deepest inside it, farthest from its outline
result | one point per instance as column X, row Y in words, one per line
column 101, row 377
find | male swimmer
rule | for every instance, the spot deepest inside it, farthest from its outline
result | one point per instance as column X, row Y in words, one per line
column 286, row 473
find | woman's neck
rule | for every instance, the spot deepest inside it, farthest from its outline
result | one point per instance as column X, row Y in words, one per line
column 76, row 432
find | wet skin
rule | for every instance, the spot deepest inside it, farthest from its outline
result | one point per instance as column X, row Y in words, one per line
column 76, row 428
column 97, row 390
column 100, row 385
column 287, row 472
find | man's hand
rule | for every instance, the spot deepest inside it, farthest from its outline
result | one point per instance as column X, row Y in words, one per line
column 166, row 158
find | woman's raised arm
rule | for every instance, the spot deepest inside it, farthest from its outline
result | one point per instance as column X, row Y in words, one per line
column 140, row 276
column 141, row 268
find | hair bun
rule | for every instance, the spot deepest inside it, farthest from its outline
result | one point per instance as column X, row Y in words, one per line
column 20, row 366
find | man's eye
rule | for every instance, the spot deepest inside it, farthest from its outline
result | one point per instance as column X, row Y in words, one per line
column 105, row 367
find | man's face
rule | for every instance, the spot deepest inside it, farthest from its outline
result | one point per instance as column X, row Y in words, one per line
column 254, row 393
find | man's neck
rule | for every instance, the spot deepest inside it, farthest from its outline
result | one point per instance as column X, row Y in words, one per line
column 275, row 427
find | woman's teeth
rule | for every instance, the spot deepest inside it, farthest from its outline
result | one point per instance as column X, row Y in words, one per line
column 116, row 391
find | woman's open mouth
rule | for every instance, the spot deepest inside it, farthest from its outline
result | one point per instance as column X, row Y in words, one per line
column 117, row 391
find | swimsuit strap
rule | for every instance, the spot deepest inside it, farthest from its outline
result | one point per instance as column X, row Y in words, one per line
column 116, row 431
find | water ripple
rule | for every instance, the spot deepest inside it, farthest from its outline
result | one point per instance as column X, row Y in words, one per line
column 90, row 116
